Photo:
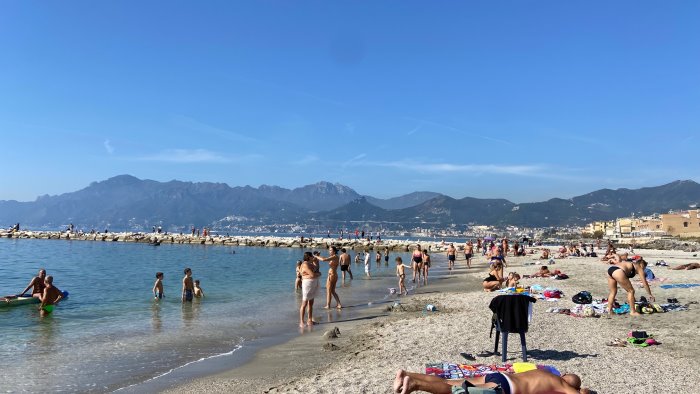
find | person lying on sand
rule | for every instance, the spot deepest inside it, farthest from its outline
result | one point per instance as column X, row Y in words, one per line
column 542, row 273
column 690, row 266
column 545, row 254
column 531, row 382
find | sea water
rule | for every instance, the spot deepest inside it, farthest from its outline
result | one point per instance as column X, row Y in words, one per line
column 111, row 333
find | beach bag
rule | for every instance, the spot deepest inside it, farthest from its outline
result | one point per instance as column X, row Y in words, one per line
column 582, row 297
column 552, row 294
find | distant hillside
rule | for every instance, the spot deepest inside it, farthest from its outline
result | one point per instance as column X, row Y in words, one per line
column 126, row 202
column 321, row 196
column 405, row 201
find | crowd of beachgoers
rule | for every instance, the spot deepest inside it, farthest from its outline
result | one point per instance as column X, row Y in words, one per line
column 626, row 269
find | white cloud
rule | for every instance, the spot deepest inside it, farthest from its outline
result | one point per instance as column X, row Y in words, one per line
column 354, row 159
column 525, row 169
column 186, row 156
column 109, row 147
column 308, row 159
column 415, row 129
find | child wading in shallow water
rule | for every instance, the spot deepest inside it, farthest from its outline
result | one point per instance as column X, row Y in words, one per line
column 401, row 273
column 198, row 292
column 158, row 286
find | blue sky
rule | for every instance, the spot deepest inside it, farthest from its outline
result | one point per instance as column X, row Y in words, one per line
column 521, row 100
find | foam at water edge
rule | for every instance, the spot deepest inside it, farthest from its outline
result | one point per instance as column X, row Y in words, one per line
column 237, row 347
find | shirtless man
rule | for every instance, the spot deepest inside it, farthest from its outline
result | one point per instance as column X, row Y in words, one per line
column 451, row 256
column 37, row 285
column 333, row 262
column 469, row 253
column 401, row 273
column 345, row 263
column 532, row 382
column 187, row 286
column 51, row 296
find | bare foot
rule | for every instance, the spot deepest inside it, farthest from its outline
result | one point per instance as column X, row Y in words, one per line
column 327, row 307
column 398, row 381
column 301, row 325
column 338, row 306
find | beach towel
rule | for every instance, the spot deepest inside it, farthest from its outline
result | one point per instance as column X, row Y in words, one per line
column 679, row 285
column 462, row 371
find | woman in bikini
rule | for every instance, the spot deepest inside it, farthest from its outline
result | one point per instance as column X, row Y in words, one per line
column 621, row 273
column 417, row 263
column 333, row 262
column 297, row 283
column 495, row 278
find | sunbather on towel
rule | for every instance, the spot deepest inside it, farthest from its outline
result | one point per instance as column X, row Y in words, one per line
column 690, row 266
column 533, row 382
column 542, row 273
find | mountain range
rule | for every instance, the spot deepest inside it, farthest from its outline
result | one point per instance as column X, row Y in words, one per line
column 126, row 202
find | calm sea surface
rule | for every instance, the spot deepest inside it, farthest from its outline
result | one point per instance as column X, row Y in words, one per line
column 110, row 333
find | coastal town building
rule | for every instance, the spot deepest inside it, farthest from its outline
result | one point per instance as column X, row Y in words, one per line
column 676, row 224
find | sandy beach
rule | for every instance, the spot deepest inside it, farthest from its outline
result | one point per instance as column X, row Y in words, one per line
column 369, row 351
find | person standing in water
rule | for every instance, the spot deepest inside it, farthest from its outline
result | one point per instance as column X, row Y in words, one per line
column 345, row 263
column 417, row 263
column 333, row 262
column 451, row 257
column 401, row 274
column 368, row 266
column 158, row 286
column 187, row 286
column 469, row 253
column 52, row 295
column 426, row 266
column 309, row 288
column 386, row 255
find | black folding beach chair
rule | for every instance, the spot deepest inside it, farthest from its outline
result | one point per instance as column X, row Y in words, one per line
column 510, row 314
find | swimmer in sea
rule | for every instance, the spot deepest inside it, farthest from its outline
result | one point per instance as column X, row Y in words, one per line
column 187, row 286
column 158, row 286
column 52, row 295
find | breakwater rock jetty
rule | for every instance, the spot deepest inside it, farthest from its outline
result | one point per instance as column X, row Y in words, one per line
column 156, row 239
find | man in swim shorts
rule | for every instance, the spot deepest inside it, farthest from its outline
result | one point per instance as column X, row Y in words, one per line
column 531, row 382
column 468, row 253
column 451, row 256
column 187, row 286
column 52, row 295
column 345, row 263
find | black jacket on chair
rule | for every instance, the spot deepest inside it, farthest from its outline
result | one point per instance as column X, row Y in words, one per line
column 511, row 311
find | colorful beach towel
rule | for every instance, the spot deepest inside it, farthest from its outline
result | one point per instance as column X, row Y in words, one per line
column 679, row 285
column 447, row 370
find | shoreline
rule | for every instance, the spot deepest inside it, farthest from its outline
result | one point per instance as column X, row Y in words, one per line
column 370, row 352
column 266, row 367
